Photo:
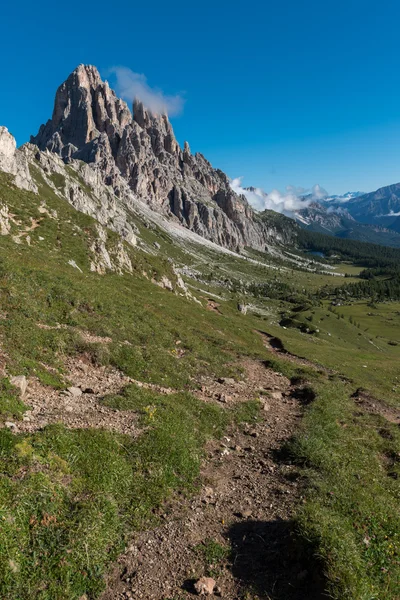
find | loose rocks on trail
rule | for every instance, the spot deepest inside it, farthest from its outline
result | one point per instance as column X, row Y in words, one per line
column 238, row 529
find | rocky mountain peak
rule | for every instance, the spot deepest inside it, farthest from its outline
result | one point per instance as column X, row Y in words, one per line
column 139, row 148
column 84, row 107
column 144, row 117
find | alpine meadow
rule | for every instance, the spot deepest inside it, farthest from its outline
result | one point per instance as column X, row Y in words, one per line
column 199, row 381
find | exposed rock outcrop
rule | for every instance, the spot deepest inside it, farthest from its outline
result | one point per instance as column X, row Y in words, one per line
column 91, row 124
column 14, row 162
column 84, row 188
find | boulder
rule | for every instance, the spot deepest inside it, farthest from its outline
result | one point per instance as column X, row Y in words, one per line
column 227, row 380
column 11, row 425
column 242, row 308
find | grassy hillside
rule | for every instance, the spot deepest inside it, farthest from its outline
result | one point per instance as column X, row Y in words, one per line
column 70, row 496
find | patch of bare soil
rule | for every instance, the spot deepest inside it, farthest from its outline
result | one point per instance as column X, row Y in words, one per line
column 249, row 491
column 3, row 363
column 79, row 406
column 25, row 233
column 276, row 346
column 86, row 336
column 213, row 306
column 255, row 382
column 94, row 339
column 376, row 407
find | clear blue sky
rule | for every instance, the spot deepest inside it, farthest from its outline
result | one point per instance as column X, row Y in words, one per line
column 291, row 92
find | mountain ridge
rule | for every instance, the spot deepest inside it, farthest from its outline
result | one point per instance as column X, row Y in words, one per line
column 90, row 123
column 136, row 156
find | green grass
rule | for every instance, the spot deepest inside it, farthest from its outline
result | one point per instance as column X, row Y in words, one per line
column 38, row 286
column 69, row 498
column 58, row 179
column 349, row 269
column 11, row 406
column 350, row 516
column 247, row 412
column 214, row 555
column 350, row 342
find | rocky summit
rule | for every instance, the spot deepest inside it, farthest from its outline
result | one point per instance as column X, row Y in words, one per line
column 90, row 123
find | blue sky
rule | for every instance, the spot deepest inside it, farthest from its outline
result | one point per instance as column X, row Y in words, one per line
column 281, row 93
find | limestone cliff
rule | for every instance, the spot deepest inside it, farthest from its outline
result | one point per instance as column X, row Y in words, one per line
column 138, row 148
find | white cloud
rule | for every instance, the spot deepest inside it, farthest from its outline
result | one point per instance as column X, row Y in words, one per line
column 318, row 192
column 130, row 85
column 294, row 198
column 296, row 190
column 255, row 197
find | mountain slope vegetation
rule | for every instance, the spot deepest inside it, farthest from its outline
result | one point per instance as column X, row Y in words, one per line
column 147, row 357
column 95, row 484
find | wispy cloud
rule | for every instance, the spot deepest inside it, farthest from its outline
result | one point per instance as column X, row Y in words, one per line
column 294, row 198
column 318, row 192
column 130, row 85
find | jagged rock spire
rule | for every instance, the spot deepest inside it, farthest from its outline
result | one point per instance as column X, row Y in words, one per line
column 84, row 107
column 91, row 123
column 141, row 115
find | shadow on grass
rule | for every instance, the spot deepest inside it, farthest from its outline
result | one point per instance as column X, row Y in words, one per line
column 269, row 561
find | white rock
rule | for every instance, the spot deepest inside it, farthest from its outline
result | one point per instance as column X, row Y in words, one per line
column 73, row 264
column 74, row 391
column 166, row 283
column 20, row 382
column 10, row 425
column 14, row 161
column 227, row 380
column 5, row 217
column 205, row 586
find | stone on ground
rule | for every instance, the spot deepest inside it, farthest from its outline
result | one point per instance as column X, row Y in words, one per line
column 205, row 586
column 20, row 382
column 74, row 391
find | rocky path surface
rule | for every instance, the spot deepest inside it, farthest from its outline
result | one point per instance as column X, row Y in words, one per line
column 276, row 346
column 238, row 529
column 80, row 404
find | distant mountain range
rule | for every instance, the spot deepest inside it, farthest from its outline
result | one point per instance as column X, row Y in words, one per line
column 136, row 156
column 381, row 207
column 337, row 200
column 370, row 217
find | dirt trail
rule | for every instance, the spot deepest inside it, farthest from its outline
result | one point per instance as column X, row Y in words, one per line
column 276, row 346
column 83, row 408
column 248, row 496
column 374, row 406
